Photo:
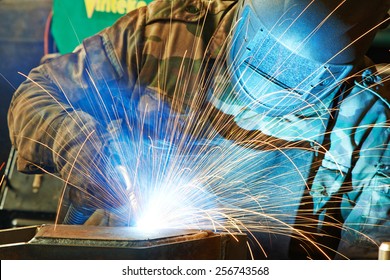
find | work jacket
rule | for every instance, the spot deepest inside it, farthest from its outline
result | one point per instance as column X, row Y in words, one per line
column 167, row 61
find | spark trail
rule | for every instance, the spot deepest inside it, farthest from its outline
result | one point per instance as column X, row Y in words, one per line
column 204, row 161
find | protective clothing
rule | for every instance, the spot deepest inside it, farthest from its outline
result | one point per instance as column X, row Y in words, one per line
column 284, row 175
column 274, row 39
column 95, row 180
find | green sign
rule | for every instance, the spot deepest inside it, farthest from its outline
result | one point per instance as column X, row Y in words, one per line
column 74, row 20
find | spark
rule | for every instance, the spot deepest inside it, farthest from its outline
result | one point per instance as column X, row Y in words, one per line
column 188, row 165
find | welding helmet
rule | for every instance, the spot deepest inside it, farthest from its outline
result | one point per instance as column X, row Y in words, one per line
column 288, row 55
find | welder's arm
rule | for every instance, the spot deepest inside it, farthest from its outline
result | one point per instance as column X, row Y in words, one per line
column 360, row 144
column 60, row 104
column 57, row 122
column 50, row 131
column 44, row 126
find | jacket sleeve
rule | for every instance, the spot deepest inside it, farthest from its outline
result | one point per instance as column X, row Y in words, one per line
column 358, row 160
column 45, row 116
column 65, row 104
column 359, row 141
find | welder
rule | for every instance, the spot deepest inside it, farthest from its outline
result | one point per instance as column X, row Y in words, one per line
column 292, row 72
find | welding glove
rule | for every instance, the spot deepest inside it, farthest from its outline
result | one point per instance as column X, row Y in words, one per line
column 81, row 152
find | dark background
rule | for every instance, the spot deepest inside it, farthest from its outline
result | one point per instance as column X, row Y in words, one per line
column 22, row 26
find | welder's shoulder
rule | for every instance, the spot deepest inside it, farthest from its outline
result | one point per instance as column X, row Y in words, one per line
column 184, row 10
column 167, row 11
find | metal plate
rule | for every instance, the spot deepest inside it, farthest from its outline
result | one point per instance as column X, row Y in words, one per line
column 90, row 242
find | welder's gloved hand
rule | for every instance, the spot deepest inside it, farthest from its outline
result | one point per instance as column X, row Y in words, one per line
column 82, row 155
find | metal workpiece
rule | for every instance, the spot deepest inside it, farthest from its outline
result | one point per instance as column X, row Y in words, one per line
column 92, row 242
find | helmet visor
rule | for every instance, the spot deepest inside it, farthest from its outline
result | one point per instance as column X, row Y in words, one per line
column 273, row 79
